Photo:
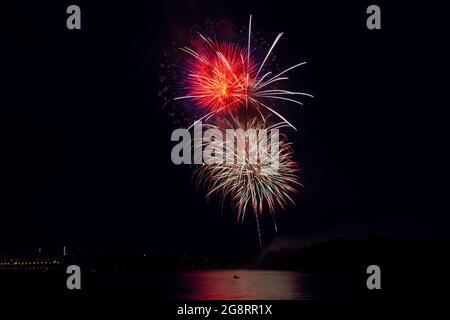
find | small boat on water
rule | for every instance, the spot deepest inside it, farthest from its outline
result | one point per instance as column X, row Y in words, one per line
column 235, row 277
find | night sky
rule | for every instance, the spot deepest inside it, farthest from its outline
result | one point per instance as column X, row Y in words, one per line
column 85, row 143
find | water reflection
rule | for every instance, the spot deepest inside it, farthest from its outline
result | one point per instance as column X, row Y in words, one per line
column 251, row 285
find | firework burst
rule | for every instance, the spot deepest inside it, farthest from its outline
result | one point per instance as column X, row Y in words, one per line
column 251, row 185
column 224, row 76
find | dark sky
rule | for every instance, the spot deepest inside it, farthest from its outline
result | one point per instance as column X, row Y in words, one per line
column 85, row 142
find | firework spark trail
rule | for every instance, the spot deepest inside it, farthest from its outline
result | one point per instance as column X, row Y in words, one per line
column 220, row 79
column 259, row 230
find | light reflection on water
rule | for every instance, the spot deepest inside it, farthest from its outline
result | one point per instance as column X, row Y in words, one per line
column 251, row 285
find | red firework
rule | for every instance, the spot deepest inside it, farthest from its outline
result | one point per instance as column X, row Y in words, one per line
column 220, row 78
column 223, row 76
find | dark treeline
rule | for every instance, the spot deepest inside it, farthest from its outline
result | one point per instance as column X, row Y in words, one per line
column 414, row 262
